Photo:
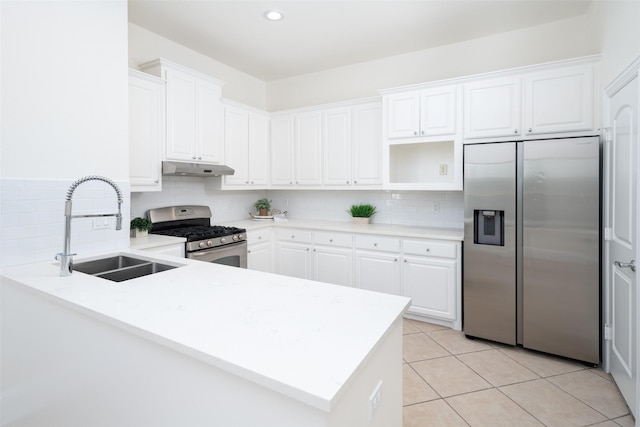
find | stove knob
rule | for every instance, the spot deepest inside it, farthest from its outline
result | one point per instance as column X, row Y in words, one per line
column 235, row 237
column 201, row 245
column 223, row 240
column 240, row 236
column 209, row 243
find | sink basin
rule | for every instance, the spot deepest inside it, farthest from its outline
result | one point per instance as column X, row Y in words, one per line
column 107, row 264
column 121, row 267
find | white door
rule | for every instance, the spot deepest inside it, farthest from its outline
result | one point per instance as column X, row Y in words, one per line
column 236, row 139
column 336, row 144
column 308, row 131
column 622, row 247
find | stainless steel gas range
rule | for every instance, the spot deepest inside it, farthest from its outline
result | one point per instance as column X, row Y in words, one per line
column 205, row 242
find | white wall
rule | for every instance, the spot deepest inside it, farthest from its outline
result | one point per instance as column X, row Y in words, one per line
column 146, row 46
column 64, row 89
column 616, row 34
column 64, row 116
column 550, row 42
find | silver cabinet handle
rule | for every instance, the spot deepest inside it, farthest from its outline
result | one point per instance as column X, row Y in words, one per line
column 515, row 131
column 631, row 264
column 415, row 132
column 530, row 129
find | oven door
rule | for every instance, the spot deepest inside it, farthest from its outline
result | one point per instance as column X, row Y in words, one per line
column 234, row 255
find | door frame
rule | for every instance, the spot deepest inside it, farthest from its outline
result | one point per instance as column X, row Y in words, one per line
column 629, row 73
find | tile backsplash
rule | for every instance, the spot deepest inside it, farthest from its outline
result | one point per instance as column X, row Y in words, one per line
column 419, row 208
column 32, row 219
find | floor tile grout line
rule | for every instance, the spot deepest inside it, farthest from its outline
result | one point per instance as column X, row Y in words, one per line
column 578, row 399
column 520, row 406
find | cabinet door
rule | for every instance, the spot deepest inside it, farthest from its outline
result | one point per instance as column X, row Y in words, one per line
column 258, row 150
column 438, row 111
column 282, row 150
column 492, row 108
column 377, row 271
column 333, row 265
column 308, row 149
column 146, row 131
column 403, row 115
column 431, row 285
column 559, row 100
column 209, row 119
column 367, row 144
column 259, row 257
column 236, row 139
column 336, row 143
column 181, row 115
column 294, row 260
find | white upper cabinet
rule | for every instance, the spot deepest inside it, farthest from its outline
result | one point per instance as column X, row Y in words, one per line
column 282, row 137
column 336, row 146
column 555, row 99
column 146, row 131
column 337, row 141
column 194, row 113
column 421, row 113
column 367, row 144
column 308, row 148
column 236, row 140
column 423, row 145
column 492, row 108
column 246, row 147
column 559, row 100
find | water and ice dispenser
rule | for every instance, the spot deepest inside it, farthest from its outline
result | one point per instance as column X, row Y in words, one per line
column 488, row 226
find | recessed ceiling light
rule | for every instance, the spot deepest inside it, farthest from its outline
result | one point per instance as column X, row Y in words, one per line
column 273, row 15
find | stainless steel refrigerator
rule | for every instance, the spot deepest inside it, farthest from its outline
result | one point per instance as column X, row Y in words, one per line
column 531, row 252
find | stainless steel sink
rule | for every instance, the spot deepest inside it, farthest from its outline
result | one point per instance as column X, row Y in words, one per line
column 121, row 267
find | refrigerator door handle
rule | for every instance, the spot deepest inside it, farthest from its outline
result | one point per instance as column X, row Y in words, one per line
column 631, row 264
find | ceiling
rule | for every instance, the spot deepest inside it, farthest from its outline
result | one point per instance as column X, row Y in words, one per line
column 316, row 35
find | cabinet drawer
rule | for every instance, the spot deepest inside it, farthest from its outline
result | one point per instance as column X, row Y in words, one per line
column 333, row 239
column 258, row 236
column 377, row 243
column 429, row 248
column 293, row 235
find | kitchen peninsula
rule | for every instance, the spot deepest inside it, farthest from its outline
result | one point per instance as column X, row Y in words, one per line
column 200, row 344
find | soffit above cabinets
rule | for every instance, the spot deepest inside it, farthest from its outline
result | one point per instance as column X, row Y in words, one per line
column 319, row 35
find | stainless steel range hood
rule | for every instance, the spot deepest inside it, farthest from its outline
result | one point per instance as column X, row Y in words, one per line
column 194, row 169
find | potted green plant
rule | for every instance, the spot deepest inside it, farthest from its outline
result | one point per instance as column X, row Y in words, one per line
column 362, row 213
column 140, row 227
column 262, row 206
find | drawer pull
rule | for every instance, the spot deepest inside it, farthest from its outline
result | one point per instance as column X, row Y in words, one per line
column 331, row 240
column 375, row 244
column 428, row 250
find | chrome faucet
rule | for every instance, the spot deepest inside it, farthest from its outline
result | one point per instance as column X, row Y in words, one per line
column 66, row 258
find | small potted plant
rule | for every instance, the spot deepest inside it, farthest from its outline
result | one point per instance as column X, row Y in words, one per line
column 140, row 227
column 362, row 213
column 262, row 206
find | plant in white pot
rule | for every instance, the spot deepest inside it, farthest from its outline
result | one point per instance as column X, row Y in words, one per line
column 140, row 227
column 362, row 213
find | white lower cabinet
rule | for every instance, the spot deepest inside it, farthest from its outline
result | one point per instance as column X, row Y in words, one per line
column 427, row 271
column 294, row 253
column 325, row 257
column 377, row 265
column 377, row 271
column 259, row 253
column 332, row 258
column 431, row 278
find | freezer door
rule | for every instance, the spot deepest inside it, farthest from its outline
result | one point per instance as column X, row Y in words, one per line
column 489, row 250
column 561, row 247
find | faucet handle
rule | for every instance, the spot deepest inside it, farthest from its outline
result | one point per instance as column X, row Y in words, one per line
column 66, row 263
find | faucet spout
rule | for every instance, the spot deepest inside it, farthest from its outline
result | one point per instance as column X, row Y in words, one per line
column 66, row 257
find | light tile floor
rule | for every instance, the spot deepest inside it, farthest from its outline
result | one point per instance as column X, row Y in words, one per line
column 450, row 380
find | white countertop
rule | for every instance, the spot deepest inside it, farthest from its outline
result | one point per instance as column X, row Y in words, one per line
column 301, row 338
column 401, row 231
column 153, row 241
